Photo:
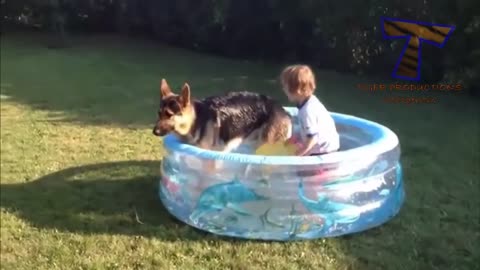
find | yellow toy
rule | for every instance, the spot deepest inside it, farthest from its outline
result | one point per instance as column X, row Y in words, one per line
column 277, row 149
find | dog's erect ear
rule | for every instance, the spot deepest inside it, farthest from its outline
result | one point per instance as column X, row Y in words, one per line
column 165, row 89
column 185, row 95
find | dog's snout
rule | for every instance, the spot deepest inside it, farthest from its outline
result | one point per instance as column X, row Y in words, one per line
column 161, row 130
column 157, row 131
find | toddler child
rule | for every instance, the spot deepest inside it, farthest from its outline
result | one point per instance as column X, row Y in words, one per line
column 318, row 134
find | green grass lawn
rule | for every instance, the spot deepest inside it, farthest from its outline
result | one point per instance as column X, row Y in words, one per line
column 80, row 167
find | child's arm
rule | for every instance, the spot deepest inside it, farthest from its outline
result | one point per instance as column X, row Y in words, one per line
column 311, row 141
column 310, row 127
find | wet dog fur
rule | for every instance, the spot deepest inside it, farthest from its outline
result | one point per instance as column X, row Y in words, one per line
column 222, row 122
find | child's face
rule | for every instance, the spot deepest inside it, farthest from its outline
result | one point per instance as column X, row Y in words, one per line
column 292, row 97
column 286, row 91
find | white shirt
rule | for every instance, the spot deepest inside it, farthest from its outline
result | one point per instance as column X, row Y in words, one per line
column 316, row 121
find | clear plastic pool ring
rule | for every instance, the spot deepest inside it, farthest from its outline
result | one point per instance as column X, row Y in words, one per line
column 288, row 197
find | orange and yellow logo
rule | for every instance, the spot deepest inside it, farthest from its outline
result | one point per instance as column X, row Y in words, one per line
column 416, row 33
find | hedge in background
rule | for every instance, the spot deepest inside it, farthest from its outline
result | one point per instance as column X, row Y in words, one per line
column 341, row 35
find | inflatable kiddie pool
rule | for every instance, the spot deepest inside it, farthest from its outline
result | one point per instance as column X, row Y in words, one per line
column 288, row 197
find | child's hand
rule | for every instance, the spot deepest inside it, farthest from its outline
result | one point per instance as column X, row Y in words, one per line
column 305, row 148
column 293, row 140
column 300, row 151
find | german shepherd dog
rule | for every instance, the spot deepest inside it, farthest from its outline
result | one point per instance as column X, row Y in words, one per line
column 223, row 122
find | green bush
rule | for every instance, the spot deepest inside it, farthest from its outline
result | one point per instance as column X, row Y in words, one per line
column 340, row 35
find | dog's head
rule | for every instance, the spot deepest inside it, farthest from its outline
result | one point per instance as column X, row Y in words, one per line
column 176, row 113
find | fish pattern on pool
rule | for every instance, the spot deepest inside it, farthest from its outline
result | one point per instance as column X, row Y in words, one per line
column 282, row 209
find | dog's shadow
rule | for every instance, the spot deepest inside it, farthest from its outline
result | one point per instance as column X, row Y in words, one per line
column 111, row 198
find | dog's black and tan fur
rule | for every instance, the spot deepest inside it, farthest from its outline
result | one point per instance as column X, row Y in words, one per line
column 222, row 122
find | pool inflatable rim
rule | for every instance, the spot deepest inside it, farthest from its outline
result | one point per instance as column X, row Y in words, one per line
column 384, row 141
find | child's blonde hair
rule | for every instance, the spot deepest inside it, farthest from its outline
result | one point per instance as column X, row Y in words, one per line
column 298, row 80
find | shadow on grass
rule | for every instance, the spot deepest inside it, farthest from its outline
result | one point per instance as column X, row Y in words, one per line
column 106, row 198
